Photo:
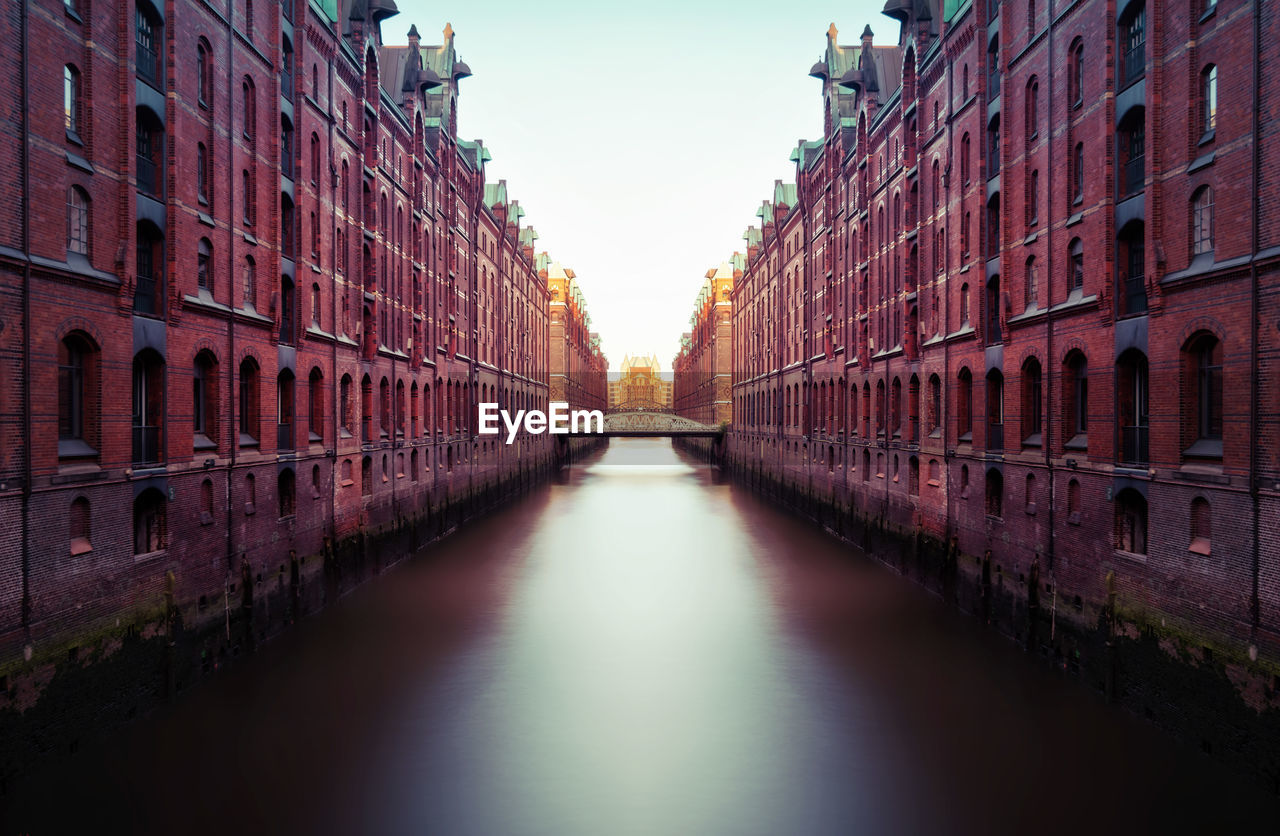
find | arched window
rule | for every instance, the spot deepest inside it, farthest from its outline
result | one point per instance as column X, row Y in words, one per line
column 366, row 409
column 1075, row 266
column 1133, row 408
column 1033, row 109
column 204, row 74
column 71, row 101
column 202, row 173
column 345, row 405
column 935, row 404
column 1075, row 401
column 149, row 39
column 149, row 145
column 78, row 527
column 995, row 493
column 964, row 305
column 206, row 502
column 1075, row 73
column 366, row 476
column 964, row 150
column 204, row 400
column 1073, row 502
column 1033, row 198
column 964, row 405
column 1131, row 522
column 288, row 311
column 1202, row 221
column 1132, row 42
column 1201, row 526
column 315, row 159
column 148, row 293
column 78, row 221
column 993, row 145
column 1202, row 411
column 248, row 282
column 1031, row 493
column 77, row 396
column 1131, row 282
column 149, row 522
column 287, row 492
column 992, row 327
column 1032, row 402
column 249, row 404
column 315, row 305
column 384, row 407
column 1077, row 174
column 1208, row 102
column 1031, row 293
column 204, row 270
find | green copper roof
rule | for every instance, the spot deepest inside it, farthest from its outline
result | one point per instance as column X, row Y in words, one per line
column 495, row 194
column 784, row 194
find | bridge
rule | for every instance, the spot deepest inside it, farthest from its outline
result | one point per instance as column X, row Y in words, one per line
column 647, row 423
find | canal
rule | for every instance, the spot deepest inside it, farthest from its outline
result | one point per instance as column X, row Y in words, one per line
column 638, row 649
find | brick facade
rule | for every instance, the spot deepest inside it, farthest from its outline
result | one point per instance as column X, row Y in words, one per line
column 1023, row 293
column 252, row 285
column 702, row 369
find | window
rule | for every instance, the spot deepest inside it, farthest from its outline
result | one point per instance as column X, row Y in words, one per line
column 149, row 522
column 77, row 395
column 1030, row 493
column 148, row 294
column 204, row 74
column 993, row 226
column 1031, row 293
column 148, row 407
column 1202, row 221
column 1133, row 45
column 995, row 410
column 288, row 311
column 366, row 475
column 1075, row 266
column 285, row 386
column 1033, row 198
column 206, row 502
column 149, row 142
column 204, row 278
column 149, row 37
column 1208, row 102
column 1131, row 522
column 202, row 173
column 71, row 99
column 249, row 281
column 1133, row 408
column 249, row 116
column 286, row 69
column 315, row 159
column 249, row 197
column 1202, row 412
column 1075, row 73
column 204, row 399
column 1073, row 502
column 964, row 305
column 995, row 493
column 964, row 405
column 344, row 404
column 1131, row 283
column 250, row 495
column 1075, row 401
column 1131, row 139
column 964, row 240
column 77, row 221
column 248, row 402
column 993, row 332
column 935, row 403
column 78, row 524
column 288, row 228
column 964, row 155
column 287, row 492
column 286, row 148
column 993, row 147
column 1201, row 526
column 1077, row 174
column 1032, row 403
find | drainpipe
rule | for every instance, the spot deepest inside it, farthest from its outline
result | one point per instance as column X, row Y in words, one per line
column 1254, row 393
column 26, row 331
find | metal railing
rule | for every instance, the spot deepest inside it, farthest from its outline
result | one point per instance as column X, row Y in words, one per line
column 1133, row 445
column 1135, row 64
column 148, row 65
column 148, row 176
column 284, row 436
column 1135, row 295
column 1134, row 177
column 144, row 295
column 995, row 436
column 146, row 445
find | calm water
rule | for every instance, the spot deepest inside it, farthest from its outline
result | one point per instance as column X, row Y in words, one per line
column 639, row 651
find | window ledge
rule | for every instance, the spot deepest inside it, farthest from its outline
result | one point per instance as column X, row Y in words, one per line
column 1134, row 556
column 1207, row 138
column 1035, row 440
column 145, row 556
column 1077, row 217
column 203, row 442
column 1077, row 442
column 79, row 546
column 1205, row 448
column 1210, row 12
column 1202, row 161
column 247, row 440
column 1199, row 545
column 74, row 448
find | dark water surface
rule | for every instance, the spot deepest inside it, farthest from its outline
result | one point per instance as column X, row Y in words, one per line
column 639, row 651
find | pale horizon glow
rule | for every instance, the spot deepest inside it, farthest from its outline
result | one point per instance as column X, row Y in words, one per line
column 640, row 141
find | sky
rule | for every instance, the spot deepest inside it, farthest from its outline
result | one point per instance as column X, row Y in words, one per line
column 640, row 140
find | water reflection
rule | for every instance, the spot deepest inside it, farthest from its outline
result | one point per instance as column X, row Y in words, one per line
column 641, row 651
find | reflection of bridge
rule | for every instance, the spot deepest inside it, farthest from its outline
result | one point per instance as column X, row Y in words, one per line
column 653, row 422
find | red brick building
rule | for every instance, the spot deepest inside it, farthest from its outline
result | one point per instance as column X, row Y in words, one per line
column 1024, row 292
column 252, row 285
column 703, row 376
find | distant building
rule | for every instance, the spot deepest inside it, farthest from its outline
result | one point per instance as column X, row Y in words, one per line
column 579, row 370
column 702, row 389
column 640, row 385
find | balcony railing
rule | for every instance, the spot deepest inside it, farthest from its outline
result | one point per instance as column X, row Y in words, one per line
column 1133, row 445
column 284, row 436
column 148, row 65
column 144, row 296
column 1135, row 64
column 148, row 176
column 1135, row 295
column 1134, row 176
column 286, row 81
column 995, row 436
column 146, row 445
